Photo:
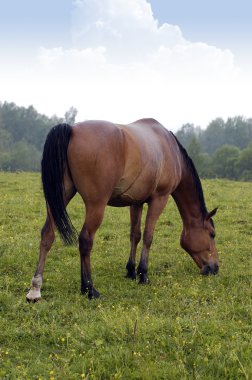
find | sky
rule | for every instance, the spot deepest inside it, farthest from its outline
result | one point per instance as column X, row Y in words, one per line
column 120, row 60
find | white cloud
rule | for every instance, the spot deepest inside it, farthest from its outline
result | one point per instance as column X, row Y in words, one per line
column 126, row 27
column 124, row 65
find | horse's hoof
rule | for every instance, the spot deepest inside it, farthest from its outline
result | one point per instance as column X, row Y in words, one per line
column 131, row 275
column 34, row 300
column 34, row 295
column 143, row 279
column 93, row 294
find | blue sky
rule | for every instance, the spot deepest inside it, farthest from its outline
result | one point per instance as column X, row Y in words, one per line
column 27, row 26
column 227, row 23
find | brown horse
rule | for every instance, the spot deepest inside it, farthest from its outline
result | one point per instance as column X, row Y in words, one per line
column 121, row 165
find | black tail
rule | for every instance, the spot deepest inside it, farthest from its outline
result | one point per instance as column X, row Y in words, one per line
column 53, row 165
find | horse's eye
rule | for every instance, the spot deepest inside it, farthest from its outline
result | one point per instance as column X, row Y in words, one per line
column 212, row 235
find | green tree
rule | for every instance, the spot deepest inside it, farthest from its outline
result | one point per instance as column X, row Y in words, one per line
column 201, row 160
column 26, row 123
column 224, row 162
column 193, row 148
column 22, row 156
column 213, row 137
column 238, row 132
column 70, row 115
column 22, row 135
column 187, row 133
column 244, row 164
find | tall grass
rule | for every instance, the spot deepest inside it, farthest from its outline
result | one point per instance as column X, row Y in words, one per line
column 180, row 326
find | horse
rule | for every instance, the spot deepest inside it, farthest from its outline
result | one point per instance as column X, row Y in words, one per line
column 121, row 165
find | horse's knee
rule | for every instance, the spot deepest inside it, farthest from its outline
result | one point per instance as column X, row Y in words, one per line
column 147, row 239
column 85, row 243
column 135, row 236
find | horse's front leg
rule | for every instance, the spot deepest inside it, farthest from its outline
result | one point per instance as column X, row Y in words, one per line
column 93, row 220
column 135, row 237
column 47, row 238
column 155, row 208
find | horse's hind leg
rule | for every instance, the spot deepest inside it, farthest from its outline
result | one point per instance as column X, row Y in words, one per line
column 94, row 216
column 155, row 208
column 135, row 237
column 46, row 241
column 47, row 238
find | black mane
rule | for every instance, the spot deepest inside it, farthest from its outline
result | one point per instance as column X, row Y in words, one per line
column 196, row 179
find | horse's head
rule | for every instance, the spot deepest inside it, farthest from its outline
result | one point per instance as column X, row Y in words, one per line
column 198, row 241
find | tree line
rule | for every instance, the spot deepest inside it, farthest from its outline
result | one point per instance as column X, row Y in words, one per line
column 222, row 150
column 22, row 135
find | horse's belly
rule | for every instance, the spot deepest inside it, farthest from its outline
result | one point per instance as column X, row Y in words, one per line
column 126, row 199
column 136, row 192
column 123, row 201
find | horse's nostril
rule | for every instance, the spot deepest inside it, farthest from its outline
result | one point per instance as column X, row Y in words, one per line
column 210, row 269
column 205, row 270
column 216, row 269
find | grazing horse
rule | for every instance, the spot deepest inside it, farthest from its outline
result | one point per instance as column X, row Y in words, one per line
column 121, row 165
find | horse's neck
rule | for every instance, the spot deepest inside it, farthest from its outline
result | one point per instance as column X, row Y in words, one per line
column 187, row 199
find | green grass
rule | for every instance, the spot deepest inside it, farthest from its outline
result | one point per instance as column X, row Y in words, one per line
column 180, row 326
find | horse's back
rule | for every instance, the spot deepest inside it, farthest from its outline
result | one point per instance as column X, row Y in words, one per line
column 122, row 164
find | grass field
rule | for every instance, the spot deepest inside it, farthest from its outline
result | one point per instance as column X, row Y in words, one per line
column 180, row 326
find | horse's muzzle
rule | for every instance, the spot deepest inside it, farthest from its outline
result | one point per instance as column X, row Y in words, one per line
column 210, row 269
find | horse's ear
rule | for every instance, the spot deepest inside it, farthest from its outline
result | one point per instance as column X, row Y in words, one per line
column 211, row 213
